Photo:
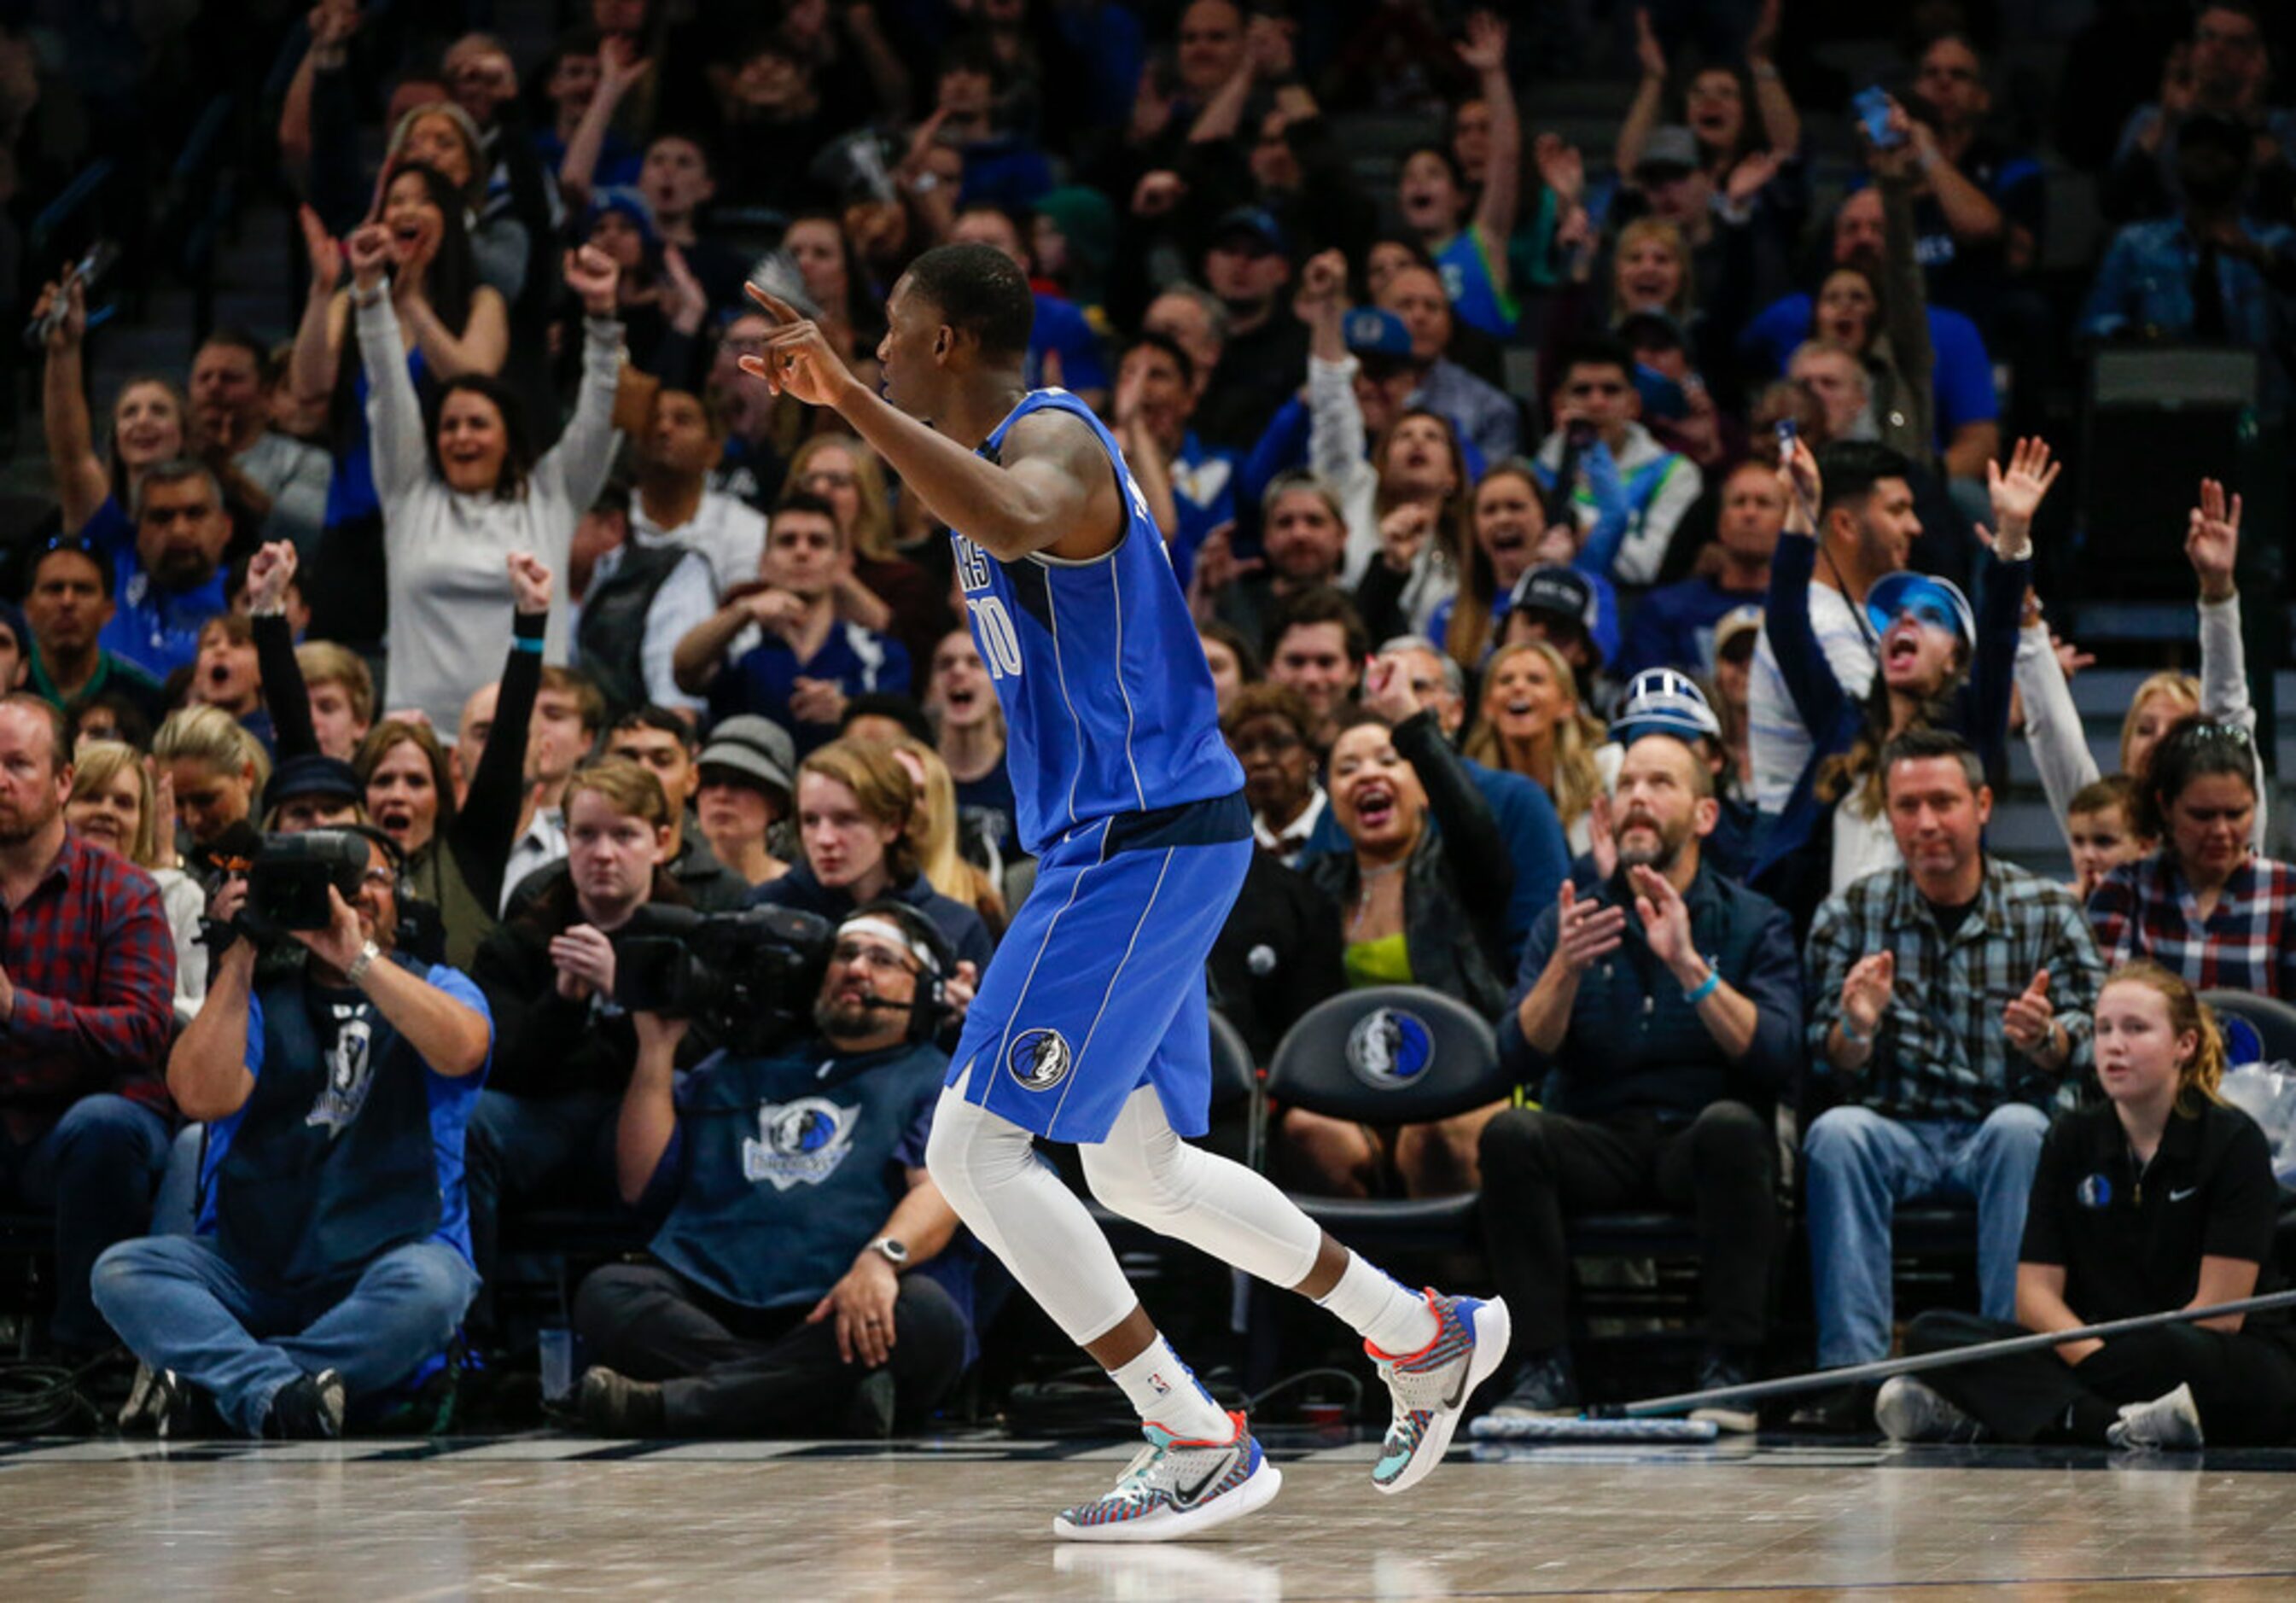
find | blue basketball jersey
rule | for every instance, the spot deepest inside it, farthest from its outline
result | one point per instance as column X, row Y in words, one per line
column 1108, row 701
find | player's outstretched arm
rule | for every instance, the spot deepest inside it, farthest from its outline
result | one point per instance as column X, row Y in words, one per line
column 1052, row 491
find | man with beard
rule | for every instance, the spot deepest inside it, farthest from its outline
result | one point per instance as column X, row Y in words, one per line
column 1662, row 1037
column 789, row 1289
column 1866, row 526
column 87, row 983
column 168, row 581
column 334, row 1258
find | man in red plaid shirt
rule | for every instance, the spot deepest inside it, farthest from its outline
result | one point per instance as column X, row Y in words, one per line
column 87, row 977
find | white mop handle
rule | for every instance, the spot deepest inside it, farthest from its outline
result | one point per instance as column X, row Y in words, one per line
column 1881, row 1370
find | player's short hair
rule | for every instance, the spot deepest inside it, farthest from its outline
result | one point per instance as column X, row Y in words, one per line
column 981, row 292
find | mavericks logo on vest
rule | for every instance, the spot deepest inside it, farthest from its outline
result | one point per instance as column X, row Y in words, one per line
column 798, row 1143
column 350, row 1071
column 1390, row 1048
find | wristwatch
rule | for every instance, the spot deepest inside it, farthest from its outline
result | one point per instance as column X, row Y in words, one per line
column 356, row 971
column 893, row 1252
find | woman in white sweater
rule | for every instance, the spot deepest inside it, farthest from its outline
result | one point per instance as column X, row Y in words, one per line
column 456, row 501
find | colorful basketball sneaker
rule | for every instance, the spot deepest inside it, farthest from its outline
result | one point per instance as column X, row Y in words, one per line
column 1431, row 1386
column 1175, row 1489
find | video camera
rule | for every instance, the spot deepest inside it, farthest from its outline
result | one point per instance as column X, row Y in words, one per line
column 289, row 876
column 750, row 976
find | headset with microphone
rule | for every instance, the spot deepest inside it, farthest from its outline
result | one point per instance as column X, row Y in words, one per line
column 930, row 1007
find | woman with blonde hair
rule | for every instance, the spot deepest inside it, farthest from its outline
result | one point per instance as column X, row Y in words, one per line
column 885, row 591
column 115, row 805
column 217, row 768
column 1530, row 722
column 932, row 832
column 2161, row 1198
column 855, row 805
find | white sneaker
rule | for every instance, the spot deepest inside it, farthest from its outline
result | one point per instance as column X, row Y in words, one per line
column 1430, row 1386
column 1175, row 1488
column 2170, row 1424
column 1907, row 1410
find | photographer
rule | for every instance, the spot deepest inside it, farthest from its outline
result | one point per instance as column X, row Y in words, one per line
column 548, row 975
column 333, row 1257
column 784, row 1281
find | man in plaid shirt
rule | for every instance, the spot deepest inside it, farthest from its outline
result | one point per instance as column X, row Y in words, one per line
column 87, row 983
column 1948, row 997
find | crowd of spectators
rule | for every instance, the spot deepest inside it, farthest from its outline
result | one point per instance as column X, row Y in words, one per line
column 1617, row 566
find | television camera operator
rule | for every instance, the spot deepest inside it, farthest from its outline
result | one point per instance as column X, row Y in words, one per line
column 332, row 1255
column 801, row 1279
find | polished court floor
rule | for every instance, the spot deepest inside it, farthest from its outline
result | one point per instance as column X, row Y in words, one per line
column 966, row 1518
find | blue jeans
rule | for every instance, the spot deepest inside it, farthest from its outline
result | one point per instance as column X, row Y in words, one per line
column 96, row 1167
column 182, row 1305
column 1861, row 1165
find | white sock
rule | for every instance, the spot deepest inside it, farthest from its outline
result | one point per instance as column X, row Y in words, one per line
column 1396, row 1321
column 1167, row 1392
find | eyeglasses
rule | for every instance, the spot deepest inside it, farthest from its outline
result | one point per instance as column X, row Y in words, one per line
column 861, row 953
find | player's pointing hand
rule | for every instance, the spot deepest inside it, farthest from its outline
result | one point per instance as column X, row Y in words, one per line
column 798, row 359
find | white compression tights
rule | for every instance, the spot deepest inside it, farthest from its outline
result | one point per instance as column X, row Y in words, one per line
column 986, row 1167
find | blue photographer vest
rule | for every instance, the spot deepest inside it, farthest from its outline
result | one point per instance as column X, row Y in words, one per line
column 790, row 1168
column 334, row 1158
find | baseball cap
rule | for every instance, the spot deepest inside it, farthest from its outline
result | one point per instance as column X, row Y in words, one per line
column 1739, row 621
column 1552, row 590
column 1660, row 701
column 631, row 204
column 312, row 774
column 1671, row 149
column 1931, row 599
column 1374, row 331
column 754, row 747
column 1255, row 220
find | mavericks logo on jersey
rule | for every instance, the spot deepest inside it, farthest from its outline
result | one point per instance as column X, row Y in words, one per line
column 350, row 1071
column 798, row 1143
column 1390, row 1048
column 1040, row 1059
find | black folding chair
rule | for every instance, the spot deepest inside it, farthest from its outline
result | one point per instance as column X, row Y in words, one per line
column 1391, row 1054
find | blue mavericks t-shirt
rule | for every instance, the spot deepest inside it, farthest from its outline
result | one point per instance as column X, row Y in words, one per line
column 1108, row 701
column 451, row 1099
column 158, row 630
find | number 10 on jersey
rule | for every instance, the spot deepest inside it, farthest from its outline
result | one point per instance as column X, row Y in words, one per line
column 992, row 631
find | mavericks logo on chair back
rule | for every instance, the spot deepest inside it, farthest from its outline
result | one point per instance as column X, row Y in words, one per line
column 1390, row 1048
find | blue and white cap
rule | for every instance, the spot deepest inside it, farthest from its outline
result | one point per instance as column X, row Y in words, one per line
column 1660, row 701
column 1931, row 599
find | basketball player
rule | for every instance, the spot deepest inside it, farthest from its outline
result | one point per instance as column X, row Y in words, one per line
column 1090, row 1023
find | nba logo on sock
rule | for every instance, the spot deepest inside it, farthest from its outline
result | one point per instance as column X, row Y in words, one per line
column 1040, row 1059
column 1390, row 1048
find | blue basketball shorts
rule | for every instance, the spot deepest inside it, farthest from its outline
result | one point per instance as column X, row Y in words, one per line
column 1098, row 986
